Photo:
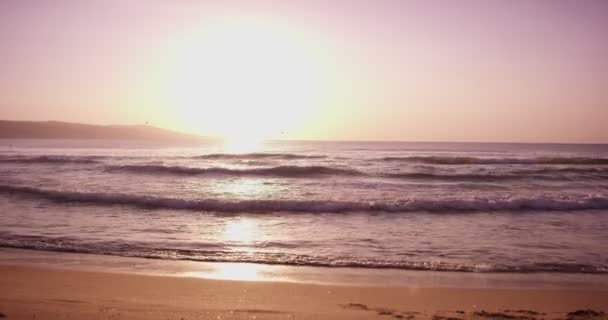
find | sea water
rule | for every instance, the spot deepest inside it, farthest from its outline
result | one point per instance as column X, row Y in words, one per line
column 474, row 207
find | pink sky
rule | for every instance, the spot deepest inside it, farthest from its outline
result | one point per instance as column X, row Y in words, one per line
column 487, row 70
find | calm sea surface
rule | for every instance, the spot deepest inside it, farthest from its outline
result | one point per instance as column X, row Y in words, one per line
column 426, row 206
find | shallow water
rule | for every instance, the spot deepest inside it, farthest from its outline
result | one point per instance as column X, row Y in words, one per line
column 427, row 206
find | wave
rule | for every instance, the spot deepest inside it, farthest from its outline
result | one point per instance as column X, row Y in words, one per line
column 461, row 177
column 543, row 203
column 216, row 252
column 538, row 174
column 279, row 171
column 281, row 156
column 473, row 160
column 313, row 171
column 48, row 159
column 567, row 170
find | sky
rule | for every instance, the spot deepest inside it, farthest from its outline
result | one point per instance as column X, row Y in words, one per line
column 462, row 70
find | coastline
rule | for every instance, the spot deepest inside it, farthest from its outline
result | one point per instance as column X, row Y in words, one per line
column 341, row 276
column 51, row 285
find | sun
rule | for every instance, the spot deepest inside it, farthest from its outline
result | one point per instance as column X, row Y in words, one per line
column 246, row 79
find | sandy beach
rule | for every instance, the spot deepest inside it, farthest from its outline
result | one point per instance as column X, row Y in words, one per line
column 32, row 291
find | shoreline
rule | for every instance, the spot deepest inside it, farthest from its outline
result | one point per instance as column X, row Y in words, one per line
column 48, row 285
column 340, row 276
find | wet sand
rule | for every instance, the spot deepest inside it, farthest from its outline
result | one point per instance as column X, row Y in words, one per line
column 46, row 293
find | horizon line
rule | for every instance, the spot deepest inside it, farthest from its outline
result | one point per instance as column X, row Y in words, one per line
column 215, row 137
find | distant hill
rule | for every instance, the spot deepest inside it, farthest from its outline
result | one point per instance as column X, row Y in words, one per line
column 66, row 130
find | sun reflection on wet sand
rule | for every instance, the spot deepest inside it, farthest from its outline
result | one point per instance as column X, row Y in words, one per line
column 238, row 271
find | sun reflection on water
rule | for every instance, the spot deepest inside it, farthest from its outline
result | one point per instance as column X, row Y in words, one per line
column 243, row 230
column 243, row 189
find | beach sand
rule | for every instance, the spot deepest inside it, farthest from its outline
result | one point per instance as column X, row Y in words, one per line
column 28, row 292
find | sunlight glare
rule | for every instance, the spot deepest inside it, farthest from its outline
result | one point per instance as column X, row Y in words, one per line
column 246, row 78
column 241, row 145
column 236, row 271
column 245, row 188
column 242, row 230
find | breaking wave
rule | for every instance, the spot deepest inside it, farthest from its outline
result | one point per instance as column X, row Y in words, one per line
column 281, row 156
column 48, row 159
column 279, row 171
column 462, row 177
column 315, row 171
column 316, row 206
column 216, row 252
column 536, row 174
column 473, row 160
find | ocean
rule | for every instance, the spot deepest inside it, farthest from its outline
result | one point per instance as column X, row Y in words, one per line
column 470, row 207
